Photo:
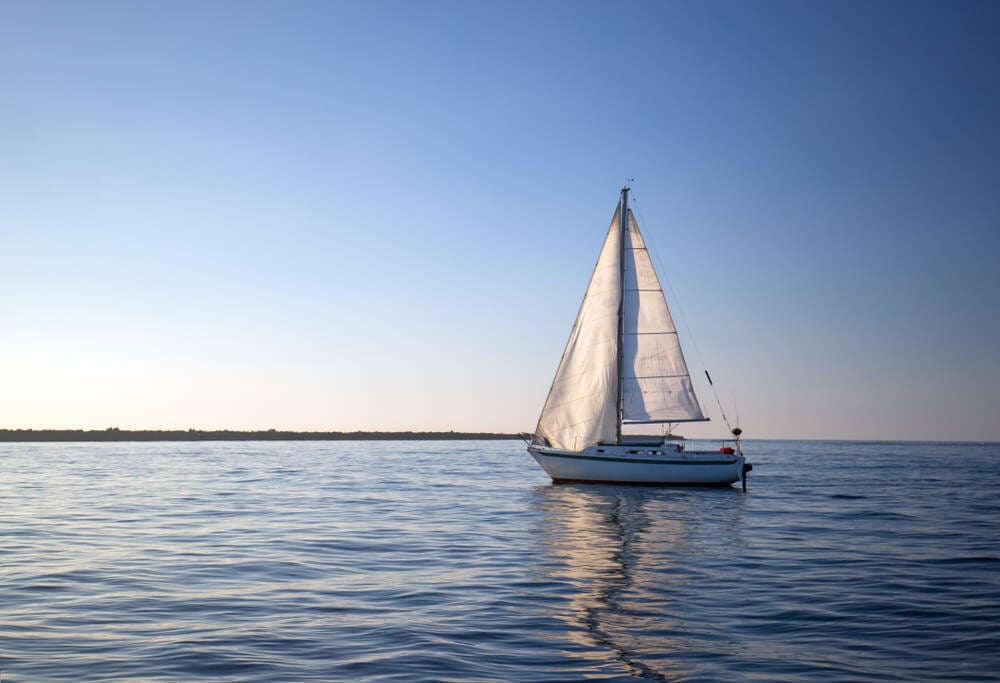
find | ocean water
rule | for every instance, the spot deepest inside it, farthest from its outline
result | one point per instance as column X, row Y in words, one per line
column 460, row 561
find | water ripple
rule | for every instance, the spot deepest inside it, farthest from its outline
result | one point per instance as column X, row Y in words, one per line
column 443, row 561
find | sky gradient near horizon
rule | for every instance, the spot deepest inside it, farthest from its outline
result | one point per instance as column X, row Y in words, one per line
column 383, row 215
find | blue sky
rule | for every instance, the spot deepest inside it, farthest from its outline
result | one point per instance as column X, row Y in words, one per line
column 381, row 215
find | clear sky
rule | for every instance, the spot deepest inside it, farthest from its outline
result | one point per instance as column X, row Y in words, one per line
column 383, row 215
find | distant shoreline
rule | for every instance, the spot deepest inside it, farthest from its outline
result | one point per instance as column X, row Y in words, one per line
column 115, row 434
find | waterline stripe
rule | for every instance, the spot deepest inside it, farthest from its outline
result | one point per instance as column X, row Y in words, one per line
column 638, row 460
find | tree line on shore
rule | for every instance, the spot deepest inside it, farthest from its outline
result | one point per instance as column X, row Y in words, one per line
column 116, row 434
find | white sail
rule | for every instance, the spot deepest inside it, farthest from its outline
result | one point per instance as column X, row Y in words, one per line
column 656, row 385
column 581, row 408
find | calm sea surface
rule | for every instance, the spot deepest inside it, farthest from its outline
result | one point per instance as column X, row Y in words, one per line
column 306, row 561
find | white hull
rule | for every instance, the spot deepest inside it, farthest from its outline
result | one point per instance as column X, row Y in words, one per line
column 629, row 464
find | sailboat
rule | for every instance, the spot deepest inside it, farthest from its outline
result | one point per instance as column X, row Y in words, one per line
column 623, row 370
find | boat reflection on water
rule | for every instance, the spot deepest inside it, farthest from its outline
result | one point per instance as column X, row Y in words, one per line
column 625, row 560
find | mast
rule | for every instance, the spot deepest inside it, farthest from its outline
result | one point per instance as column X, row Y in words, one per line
column 622, row 227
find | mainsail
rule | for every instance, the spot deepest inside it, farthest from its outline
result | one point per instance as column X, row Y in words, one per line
column 582, row 407
column 656, row 384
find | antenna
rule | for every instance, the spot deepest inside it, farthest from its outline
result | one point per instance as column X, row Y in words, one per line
column 717, row 400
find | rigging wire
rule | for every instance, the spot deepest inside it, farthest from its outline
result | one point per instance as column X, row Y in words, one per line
column 662, row 272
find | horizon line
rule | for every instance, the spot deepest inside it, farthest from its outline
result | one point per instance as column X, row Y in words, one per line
column 48, row 434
